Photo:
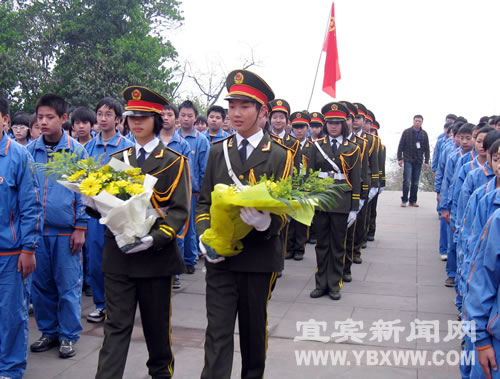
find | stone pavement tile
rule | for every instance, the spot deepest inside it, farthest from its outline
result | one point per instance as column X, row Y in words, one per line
column 369, row 316
column 402, row 303
column 438, row 299
column 439, row 372
column 278, row 308
column 188, row 310
column 379, row 372
column 358, row 272
column 443, row 318
column 440, row 344
column 379, row 288
column 321, row 312
column 391, row 272
column 431, row 275
column 192, row 286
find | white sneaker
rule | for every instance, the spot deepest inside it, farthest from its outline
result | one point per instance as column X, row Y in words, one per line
column 96, row 316
column 444, row 257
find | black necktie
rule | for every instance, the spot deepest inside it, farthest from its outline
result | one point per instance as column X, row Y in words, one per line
column 334, row 146
column 142, row 157
column 243, row 151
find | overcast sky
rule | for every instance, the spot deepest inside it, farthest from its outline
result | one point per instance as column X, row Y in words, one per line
column 399, row 58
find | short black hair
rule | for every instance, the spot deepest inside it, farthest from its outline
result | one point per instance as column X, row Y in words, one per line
column 53, row 101
column 484, row 129
column 456, row 126
column 484, row 119
column 66, row 125
column 490, row 139
column 202, row 119
column 461, row 119
column 494, row 146
column 32, row 119
column 4, row 105
column 188, row 104
column 111, row 103
column 466, row 129
column 217, row 109
column 83, row 114
column 158, row 125
column 451, row 116
column 21, row 118
column 173, row 108
column 448, row 125
column 418, row 116
column 497, row 120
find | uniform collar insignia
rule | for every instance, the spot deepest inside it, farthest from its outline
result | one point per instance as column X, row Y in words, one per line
column 230, row 143
column 267, row 146
column 160, row 154
column 130, row 152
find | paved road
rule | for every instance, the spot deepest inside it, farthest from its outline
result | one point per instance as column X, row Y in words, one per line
column 401, row 278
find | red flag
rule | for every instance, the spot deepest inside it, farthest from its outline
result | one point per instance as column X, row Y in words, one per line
column 332, row 68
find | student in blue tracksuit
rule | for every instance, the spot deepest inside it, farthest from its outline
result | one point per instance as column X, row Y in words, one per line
column 463, row 190
column 172, row 139
column 448, row 146
column 482, row 301
column 450, row 119
column 20, row 220
column 216, row 116
column 56, row 291
column 445, row 201
column 108, row 141
column 21, row 128
column 199, row 155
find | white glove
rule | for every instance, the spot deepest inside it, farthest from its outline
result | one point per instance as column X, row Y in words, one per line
column 259, row 220
column 146, row 243
column 381, row 189
column 210, row 255
column 88, row 202
column 372, row 193
column 351, row 218
column 361, row 203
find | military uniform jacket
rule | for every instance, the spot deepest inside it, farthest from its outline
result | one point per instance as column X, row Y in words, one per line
column 373, row 149
column 348, row 159
column 263, row 251
column 171, row 199
column 365, row 176
column 381, row 165
column 292, row 143
column 304, row 155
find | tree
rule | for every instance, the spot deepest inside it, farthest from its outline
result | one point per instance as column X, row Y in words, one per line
column 84, row 50
column 394, row 177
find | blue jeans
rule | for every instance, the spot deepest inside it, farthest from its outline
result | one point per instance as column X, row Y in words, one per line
column 411, row 176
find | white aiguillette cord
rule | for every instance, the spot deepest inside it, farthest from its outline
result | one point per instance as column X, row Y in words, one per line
column 327, row 158
column 230, row 171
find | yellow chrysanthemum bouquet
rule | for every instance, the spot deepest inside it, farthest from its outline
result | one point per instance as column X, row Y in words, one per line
column 119, row 192
column 296, row 196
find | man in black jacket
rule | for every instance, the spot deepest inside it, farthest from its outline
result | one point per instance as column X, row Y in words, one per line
column 412, row 151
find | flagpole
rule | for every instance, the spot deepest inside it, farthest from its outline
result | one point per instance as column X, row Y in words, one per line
column 319, row 61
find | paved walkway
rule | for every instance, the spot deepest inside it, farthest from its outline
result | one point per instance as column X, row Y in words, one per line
column 401, row 278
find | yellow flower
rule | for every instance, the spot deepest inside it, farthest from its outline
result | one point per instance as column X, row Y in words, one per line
column 104, row 177
column 121, row 183
column 134, row 189
column 76, row 175
column 104, row 169
column 90, row 186
column 138, row 179
column 133, row 171
column 112, row 188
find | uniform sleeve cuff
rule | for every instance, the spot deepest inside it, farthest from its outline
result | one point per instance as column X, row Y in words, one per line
column 80, row 227
column 483, row 344
column 27, row 252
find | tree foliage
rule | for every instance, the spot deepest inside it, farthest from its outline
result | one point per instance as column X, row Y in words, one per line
column 84, row 50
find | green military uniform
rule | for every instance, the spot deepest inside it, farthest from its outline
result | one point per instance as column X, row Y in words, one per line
column 241, row 286
column 373, row 212
column 145, row 277
column 298, row 233
column 360, row 234
column 332, row 223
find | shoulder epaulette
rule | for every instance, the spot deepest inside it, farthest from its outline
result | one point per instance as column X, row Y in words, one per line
column 216, row 142
column 121, row 151
column 282, row 145
column 173, row 151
